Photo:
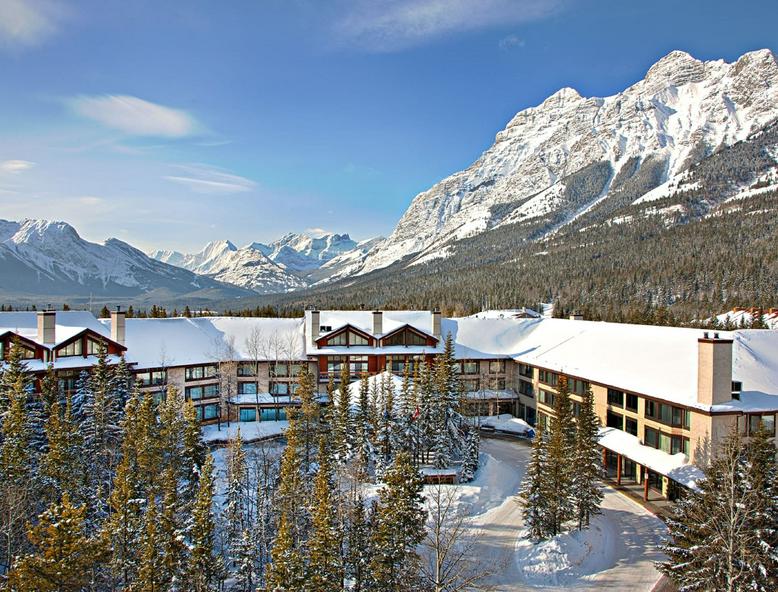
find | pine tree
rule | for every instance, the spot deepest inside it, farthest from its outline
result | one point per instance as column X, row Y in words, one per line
column 398, row 528
column 587, row 462
column 151, row 572
column 324, row 567
column 286, row 571
column 358, row 550
column 203, row 565
column 64, row 555
column 61, row 466
column 719, row 538
column 193, row 451
column 342, row 425
column 559, row 467
column 532, row 496
column 363, row 448
column 171, row 532
column 308, row 417
column 291, row 495
column 471, row 458
column 17, row 491
column 236, row 504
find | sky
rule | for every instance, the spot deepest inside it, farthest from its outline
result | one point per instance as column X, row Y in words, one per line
column 170, row 124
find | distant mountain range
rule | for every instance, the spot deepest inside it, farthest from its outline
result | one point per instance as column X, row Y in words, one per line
column 576, row 186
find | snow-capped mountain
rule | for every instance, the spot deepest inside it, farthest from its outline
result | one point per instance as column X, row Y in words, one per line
column 572, row 156
column 49, row 257
column 304, row 252
column 248, row 267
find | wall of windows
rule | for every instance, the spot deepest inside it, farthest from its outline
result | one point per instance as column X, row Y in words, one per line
column 93, row 347
column 578, row 387
column 396, row 364
column 525, row 370
column 206, row 391
column 526, row 389
column 284, row 369
column 248, row 414
column 548, row 377
column 247, row 369
column 201, row 372
column 357, row 365
column 71, row 349
column 283, row 388
column 247, row 388
column 468, row 367
column 546, row 397
column 348, row 338
column 668, row 414
column 404, row 337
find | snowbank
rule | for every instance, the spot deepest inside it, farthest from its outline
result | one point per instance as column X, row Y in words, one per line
column 508, row 423
column 562, row 560
column 250, row 431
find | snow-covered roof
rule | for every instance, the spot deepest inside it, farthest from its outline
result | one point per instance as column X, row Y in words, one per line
column 68, row 363
column 675, row 466
column 507, row 313
column 68, row 323
column 153, row 343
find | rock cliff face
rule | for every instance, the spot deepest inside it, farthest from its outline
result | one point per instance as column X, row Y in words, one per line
column 571, row 157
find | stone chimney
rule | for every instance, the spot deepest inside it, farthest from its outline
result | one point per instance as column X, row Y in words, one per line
column 118, row 325
column 714, row 369
column 315, row 324
column 378, row 322
column 436, row 324
column 47, row 320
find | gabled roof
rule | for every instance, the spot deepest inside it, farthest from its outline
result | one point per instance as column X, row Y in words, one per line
column 347, row 327
column 68, row 323
column 409, row 328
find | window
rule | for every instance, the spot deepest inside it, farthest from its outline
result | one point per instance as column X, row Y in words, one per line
column 248, row 414
column 497, row 383
column 470, row 385
column 357, row 365
column 247, row 369
column 543, row 421
column 546, row 397
column 631, row 426
column 202, row 392
column 579, row 387
column 206, row 412
column 651, row 437
column 525, row 388
column 27, row 352
column 679, row 444
column 666, row 443
column 404, row 337
column 525, row 370
column 334, row 363
column 348, row 338
column 576, row 408
column 200, row 372
column 93, row 347
column 67, row 380
column 632, row 402
column 497, row 367
column 549, row 378
column 357, row 339
column 615, row 398
column 71, row 349
column 151, row 378
column 247, row 388
column 767, row 421
column 283, row 388
column 615, row 420
column 282, row 369
column 667, row 414
column 469, row 367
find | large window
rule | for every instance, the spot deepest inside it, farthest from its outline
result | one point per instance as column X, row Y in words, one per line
column 525, row 370
column 404, row 337
column 496, row 383
column 67, row 380
column 615, row 420
column 767, row 421
column 667, row 414
column 207, row 391
column 579, row 387
column 284, row 369
column 549, row 378
column 348, row 338
column 283, row 388
column 497, row 367
column 357, row 365
column 631, row 426
column 151, row 378
column 71, row 349
column 469, row 367
column 525, row 388
column 247, row 369
column 665, row 442
column 397, row 364
column 615, row 398
column 93, row 347
column 247, row 388
column 632, row 402
column 27, row 352
column 334, row 364
column 248, row 414
column 546, row 397
column 471, row 385
column 206, row 412
column 201, row 372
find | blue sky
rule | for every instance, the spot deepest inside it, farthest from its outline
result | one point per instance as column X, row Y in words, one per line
column 168, row 124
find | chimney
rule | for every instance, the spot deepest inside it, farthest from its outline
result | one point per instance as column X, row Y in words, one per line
column 714, row 370
column 118, row 325
column 47, row 320
column 436, row 324
column 378, row 322
column 315, row 320
column 576, row 317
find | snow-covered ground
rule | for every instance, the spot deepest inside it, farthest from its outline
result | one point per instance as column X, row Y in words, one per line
column 249, row 431
column 508, row 423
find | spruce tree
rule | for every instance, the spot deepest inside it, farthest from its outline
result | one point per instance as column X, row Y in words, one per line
column 471, row 458
column 64, row 555
column 286, row 571
column 588, row 471
column 363, row 448
column 324, row 567
column 151, row 572
column 203, row 566
column 532, row 496
column 398, row 528
column 235, row 515
column 193, row 451
column 307, row 417
column 719, row 536
column 171, row 530
column 559, row 467
column 342, row 425
column 357, row 554
column 61, row 466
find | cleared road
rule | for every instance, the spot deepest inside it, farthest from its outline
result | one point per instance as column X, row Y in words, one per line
column 637, row 535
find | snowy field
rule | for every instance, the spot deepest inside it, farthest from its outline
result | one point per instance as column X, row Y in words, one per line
column 250, row 431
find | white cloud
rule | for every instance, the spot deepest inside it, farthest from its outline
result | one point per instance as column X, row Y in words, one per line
column 135, row 116
column 510, row 42
column 25, row 23
column 14, row 167
column 316, row 232
column 202, row 178
column 394, row 25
